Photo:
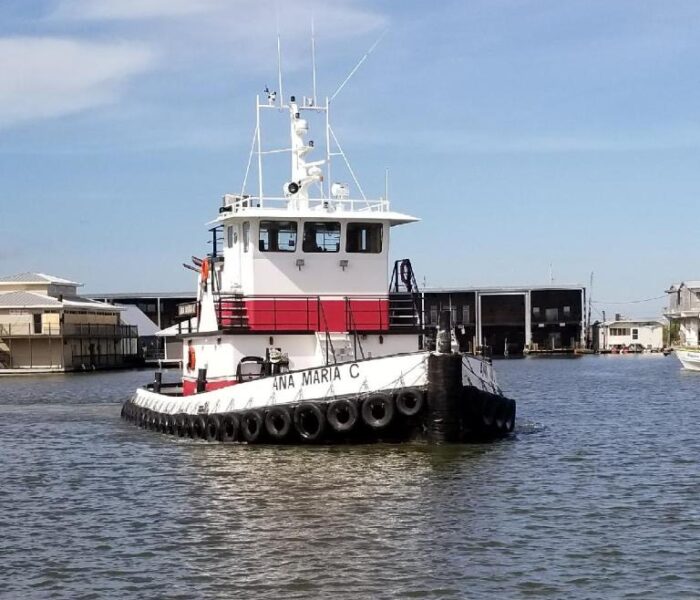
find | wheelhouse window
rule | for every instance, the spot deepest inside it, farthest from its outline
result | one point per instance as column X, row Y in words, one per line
column 364, row 237
column 277, row 236
column 321, row 236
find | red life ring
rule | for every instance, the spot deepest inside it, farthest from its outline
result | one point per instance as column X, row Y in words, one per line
column 191, row 359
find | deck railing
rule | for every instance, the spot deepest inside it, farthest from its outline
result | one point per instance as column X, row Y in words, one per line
column 238, row 204
column 317, row 313
column 8, row 330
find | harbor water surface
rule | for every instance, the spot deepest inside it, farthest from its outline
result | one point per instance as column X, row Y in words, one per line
column 596, row 495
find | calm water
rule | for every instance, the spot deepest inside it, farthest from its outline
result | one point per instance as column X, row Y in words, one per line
column 598, row 495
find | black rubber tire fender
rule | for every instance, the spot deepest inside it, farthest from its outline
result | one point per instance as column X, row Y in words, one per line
column 489, row 410
column 167, row 424
column 500, row 415
column 309, row 421
column 337, row 410
column 159, row 422
column 251, row 426
column 180, row 425
column 230, row 428
column 378, row 410
column 189, row 425
column 510, row 418
column 199, row 426
column 278, row 422
column 410, row 401
column 212, row 428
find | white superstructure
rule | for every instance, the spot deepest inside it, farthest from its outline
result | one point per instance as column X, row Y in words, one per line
column 305, row 272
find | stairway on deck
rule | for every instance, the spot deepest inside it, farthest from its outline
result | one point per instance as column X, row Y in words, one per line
column 402, row 312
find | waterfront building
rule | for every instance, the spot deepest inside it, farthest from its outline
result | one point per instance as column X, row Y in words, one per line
column 512, row 320
column 633, row 335
column 46, row 326
column 684, row 310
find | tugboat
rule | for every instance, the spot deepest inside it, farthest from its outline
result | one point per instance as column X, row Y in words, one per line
column 298, row 333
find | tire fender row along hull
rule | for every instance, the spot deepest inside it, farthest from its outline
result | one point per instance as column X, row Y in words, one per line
column 443, row 411
column 362, row 418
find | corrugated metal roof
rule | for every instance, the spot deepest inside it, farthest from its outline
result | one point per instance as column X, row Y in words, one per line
column 504, row 288
column 22, row 299
column 87, row 303
column 652, row 321
column 27, row 299
column 133, row 315
column 35, row 278
column 143, row 295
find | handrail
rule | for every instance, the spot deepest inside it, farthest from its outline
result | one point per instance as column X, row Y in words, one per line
column 328, row 336
column 303, row 312
column 352, row 326
column 243, row 204
column 68, row 330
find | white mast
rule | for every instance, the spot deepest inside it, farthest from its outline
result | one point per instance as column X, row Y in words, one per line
column 313, row 60
column 279, row 66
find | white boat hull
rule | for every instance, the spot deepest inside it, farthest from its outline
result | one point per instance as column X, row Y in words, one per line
column 690, row 359
column 461, row 398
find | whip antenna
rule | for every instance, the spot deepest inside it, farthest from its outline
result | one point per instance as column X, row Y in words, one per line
column 279, row 62
column 359, row 64
column 313, row 58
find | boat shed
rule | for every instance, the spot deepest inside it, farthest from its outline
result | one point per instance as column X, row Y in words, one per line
column 511, row 319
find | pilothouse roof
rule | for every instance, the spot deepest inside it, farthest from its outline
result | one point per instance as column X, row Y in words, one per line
column 310, row 214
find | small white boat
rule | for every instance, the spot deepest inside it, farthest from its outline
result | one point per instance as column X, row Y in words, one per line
column 689, row 357
column 298, row 333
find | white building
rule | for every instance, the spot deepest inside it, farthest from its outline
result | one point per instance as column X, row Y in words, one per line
column 630, row 334
column 684, row 309
column 45, row 326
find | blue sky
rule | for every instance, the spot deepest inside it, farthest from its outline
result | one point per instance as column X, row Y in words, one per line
column 523, row 133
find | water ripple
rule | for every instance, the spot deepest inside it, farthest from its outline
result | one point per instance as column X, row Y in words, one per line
column 596, row 495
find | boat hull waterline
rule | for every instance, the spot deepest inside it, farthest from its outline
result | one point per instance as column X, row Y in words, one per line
column 690, row 359
column 417, row 396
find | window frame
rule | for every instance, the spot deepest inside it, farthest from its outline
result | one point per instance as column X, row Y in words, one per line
column 320, row 249
column 368, row 225
column 281, row 249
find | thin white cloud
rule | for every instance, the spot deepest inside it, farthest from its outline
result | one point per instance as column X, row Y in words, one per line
column 132, row 9
column 45, row 77
column 441, row 141
column 241, row 26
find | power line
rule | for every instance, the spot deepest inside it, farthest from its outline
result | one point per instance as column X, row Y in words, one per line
column 630, row 301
